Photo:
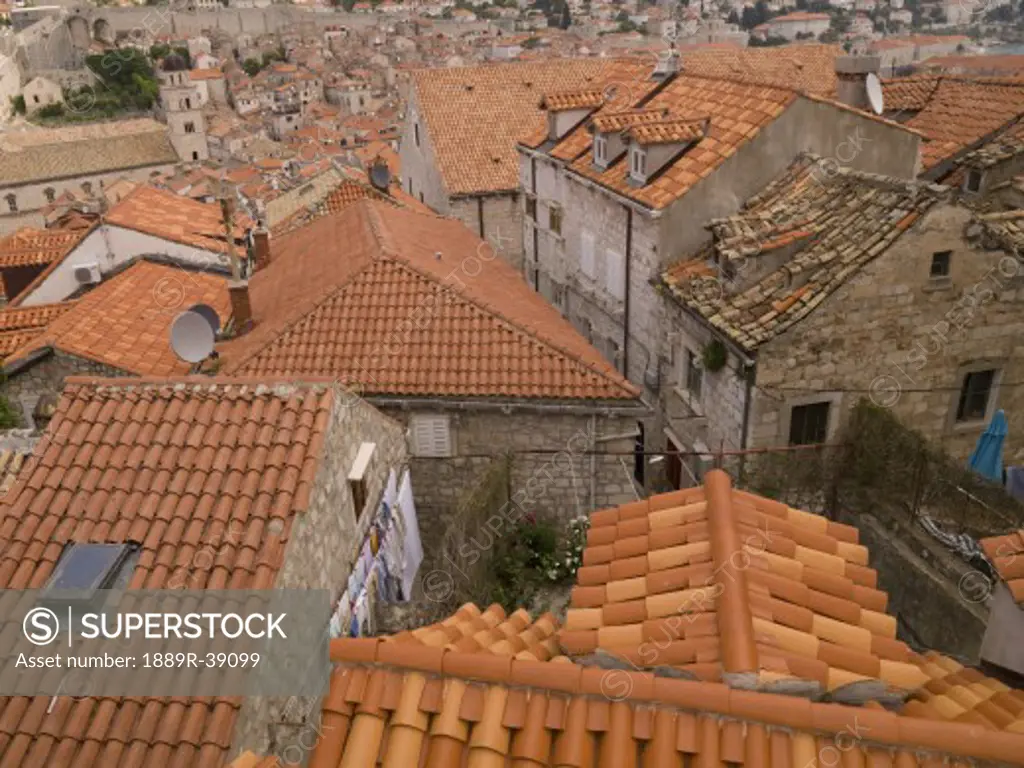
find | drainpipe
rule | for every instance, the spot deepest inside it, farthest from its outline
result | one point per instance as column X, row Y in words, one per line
column 593, row 461
column 480, row 215
column 749, row 372
column 536, row 234
column 625, row 312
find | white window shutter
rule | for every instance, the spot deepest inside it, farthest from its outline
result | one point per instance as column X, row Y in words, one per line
column 614, row 269
column 431, row 435
column 587, row 254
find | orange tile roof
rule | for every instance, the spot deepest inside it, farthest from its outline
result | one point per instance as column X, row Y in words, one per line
column 205, row 74
column 620, row 121
column 34, row 247
column 125, row 321
column 580, row 99
column 798, row 602
column 20, row 325
column 737, row 113
column 668, row 132
column 808, row 68
column 474, row 115
column 172, row 217
column 337, row 291
column 956, row 112
column 1007, row 555
column 250, row 453
column 834, row 223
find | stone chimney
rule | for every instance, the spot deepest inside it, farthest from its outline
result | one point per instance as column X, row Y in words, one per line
column 852, row 72
column 241, row 309
column 261, row 247
column 668, row 64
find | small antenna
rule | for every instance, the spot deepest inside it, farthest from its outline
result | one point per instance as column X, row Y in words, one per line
column 875, row 97
column 192, row 337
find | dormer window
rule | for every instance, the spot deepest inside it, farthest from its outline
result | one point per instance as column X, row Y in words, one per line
column 601, row 150
column 973, row 182
column 638, row 163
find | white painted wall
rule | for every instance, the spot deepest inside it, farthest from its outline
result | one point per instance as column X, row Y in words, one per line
column 111, row 246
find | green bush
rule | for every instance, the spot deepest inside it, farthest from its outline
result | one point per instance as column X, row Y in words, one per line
column 51, row 110
column 9, row 418
column 19, row 104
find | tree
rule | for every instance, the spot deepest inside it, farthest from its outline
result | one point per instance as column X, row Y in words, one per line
column 734, row 18
column 627, row 26
column 251, row 67
column 18, row 102
column 622, row 16
column 159, row 51
column 183, row 52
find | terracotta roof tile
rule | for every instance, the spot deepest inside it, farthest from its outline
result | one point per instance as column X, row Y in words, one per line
column 473, row 116
column 668, row 132
column 125, row 321
column 37, row 247
column 558, row 101
column 114, row 414
column 954, row 112
column 1007, row 555
column 175, row 218
column 20, row 325
column 834, row 224
column 420, row 697
column 335, row 291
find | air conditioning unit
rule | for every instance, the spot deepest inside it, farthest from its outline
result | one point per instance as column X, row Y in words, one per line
column 87, row 274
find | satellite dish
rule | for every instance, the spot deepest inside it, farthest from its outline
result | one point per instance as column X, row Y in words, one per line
column 875, row 98
column 380, row 176
column 192, row 337
column 210, row 314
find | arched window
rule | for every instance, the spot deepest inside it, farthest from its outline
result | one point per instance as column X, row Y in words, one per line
column 12, row 203
column 50, row 193
column 87, row 187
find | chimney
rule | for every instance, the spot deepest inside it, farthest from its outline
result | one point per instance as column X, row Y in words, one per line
column 852, row 72
column 261, row 247
column 241, row 309
column 667, row 65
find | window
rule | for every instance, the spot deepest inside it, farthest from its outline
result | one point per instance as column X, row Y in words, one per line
column 35, row 99
column 940, row 264
column 615, row 267
column 975, row 393
column 421, row 196
column 12, row 203
column 190, row 127
column 601, row 149
column 51, row 194
column 416, row 133
column 188, row 103
column 694, row 374
column 587, row 254
column 808, row 424
column 638, row 163
column 357, row 476
column 974, row 181
column 585, row 328
column 555, row 219
column 195, row 155
column 87, row 187
column 531, row 208
column 431, row 435
column 89, row 566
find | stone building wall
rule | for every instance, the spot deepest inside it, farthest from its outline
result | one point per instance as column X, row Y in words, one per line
column 46, row 377
column 322, row 547
column 892, row 332
column 564, row 481
column 502, row 222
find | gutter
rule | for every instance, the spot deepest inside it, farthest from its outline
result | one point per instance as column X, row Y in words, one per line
column 506, row 407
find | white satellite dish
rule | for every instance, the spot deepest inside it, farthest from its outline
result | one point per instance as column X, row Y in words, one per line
column 210, row 314
column 192, row 337
column 875, row 98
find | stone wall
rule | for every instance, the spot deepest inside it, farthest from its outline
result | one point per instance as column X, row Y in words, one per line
column 46, row 376
column 565, row 481
column 904, row 340
column 923, row 581
column 502, row 216
column 321, row 548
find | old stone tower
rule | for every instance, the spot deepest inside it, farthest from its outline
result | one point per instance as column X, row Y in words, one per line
column 181, row 103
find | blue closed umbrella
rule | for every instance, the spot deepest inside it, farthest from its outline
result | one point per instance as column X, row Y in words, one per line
column 987, row 459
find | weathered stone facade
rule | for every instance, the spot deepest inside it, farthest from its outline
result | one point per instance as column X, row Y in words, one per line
column 45, row 376
column 322, row 547
column 562, row 479
column 603, row 265
column 905, row 340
